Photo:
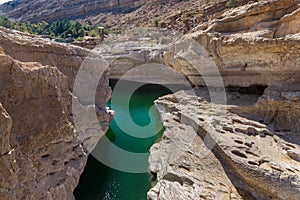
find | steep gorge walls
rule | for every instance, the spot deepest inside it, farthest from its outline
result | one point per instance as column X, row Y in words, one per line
column 67, row 58
column 254, row 44
column 210, row 152
column 29, row 48
column 47, row 156
column 36, row 11
column 41, row 155
column 256, row 147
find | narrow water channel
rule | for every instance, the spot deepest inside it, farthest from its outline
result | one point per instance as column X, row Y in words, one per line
column 100, row 182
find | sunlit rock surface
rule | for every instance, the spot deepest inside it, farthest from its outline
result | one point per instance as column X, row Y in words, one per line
column 42, row 152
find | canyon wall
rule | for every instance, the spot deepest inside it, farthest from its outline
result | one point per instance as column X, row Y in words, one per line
column 257, row 43
column 26, row 10
column 249, row 151
column 255, row 147
column 43, row 152
column 213, row 151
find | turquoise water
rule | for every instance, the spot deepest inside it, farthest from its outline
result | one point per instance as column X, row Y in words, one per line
column 100, row 182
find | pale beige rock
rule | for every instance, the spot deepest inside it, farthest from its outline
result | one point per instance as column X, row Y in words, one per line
column 185, row 168
column 48, row 156
column 30, row 48
column 67, row 58
column 289, row 24
column 44, row 152
column 260, row 161
column 254, row 44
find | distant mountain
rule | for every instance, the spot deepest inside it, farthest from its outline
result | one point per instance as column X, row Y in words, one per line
column 38, row 10
column 182, row 15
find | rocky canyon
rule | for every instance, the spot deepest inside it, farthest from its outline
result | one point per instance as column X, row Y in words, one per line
column 42, row 156
column 235, row 151
column 233, row 135
column 55, row 10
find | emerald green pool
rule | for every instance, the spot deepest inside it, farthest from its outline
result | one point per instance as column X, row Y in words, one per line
column 100, row 182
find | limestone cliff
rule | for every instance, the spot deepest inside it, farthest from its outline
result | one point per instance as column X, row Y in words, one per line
column 119, row 14
column 67, row 58
column 254, row 150
column 47, row 154
column 30, row 48
column 42, row 153
column 26, row 10
column 256, row 155
column 255, row 147
column 257, row 43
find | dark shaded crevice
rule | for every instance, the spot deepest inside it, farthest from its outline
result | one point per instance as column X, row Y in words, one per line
column 175, row 178
column 153, row 178
column 252, row 89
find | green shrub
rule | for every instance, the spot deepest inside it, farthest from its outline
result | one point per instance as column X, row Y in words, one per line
column 232, row 3
column 156, row 22
column 93, row 33
column 60, row 29
column 4, row 21
column 79, row 39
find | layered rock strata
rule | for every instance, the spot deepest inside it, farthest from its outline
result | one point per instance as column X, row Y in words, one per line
column 30, row 48
column 255, row 147
column 254, row 44
column 43, row 152
column 249, row 159
column 68, row 59
column 37, row 11
column 47, row 155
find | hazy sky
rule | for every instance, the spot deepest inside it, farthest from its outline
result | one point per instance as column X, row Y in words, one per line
column 2, row 1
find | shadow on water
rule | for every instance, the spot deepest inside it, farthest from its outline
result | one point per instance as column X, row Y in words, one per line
column 100, row 182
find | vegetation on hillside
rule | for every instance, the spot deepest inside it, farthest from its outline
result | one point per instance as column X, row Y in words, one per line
column 232, row 3
column 63, row 31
